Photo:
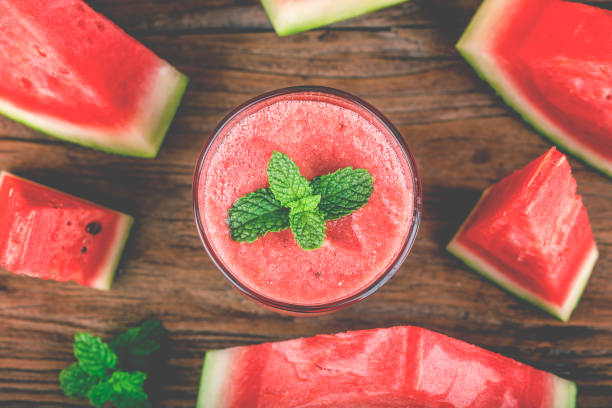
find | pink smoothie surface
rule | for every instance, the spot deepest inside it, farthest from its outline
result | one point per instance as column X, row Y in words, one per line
column 321, row 134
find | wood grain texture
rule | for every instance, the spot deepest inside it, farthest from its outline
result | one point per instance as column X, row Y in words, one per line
column 401, row 60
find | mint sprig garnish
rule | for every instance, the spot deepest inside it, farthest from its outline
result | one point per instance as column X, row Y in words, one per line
column 111, row 372
column 294, row 202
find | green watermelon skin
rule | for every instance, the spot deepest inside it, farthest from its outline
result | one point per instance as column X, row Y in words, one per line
column 530, row 234
column 294, row 16
column 52, row 235
column 386, row 368
column 75, row 75
column 577, row 33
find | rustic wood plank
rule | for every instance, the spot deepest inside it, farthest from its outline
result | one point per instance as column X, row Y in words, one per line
column 401, row 60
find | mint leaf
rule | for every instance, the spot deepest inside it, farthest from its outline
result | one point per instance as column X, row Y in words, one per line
column 309, row 203
column 256, row 214
column 122, row 388
column 129, row 384
column 136, row 344
column 100, row 393
column 286, row 182
column 95, row 356
column 343, row 191
column 75, row 382
column 308, row 228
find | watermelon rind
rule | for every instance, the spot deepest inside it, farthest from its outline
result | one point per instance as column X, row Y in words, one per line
column 106, row 272
column 142, row 138
column 484, row 268
column 215, row 375
column 304, row 15
column 475, row 44
column 565, row 393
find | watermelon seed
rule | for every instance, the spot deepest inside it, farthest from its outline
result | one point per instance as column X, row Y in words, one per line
column 83, row 250
column 40, row 51
column 93, row 228
column 81, row 23
column 609, row 97
column 69, row 223
column 100, row 25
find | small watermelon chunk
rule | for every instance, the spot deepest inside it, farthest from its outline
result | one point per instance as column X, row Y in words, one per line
column 52, row 235
column 396, row 367
column 71, row 73
column 550, row 60
column 531, row 234
column 293, row 16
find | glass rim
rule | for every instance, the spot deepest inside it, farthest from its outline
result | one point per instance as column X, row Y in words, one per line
column 399, row 259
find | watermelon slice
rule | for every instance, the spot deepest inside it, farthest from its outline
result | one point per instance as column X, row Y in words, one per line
column 52, row 235
column 550, row 60
column 69, row 72
column 293, row 16
column 530, row 233
column 395, row 367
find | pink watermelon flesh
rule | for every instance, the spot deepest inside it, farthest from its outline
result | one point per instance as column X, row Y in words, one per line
column 52, row 235
column 533, row 229
column 552, row 61
column 70, row 72
column 394, row 367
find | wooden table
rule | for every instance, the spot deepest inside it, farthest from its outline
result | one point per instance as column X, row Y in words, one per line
column 401, row 60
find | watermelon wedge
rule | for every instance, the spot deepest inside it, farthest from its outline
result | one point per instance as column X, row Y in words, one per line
column 52, row 235
column 384, row 368
column 531, row 234
column 550, row 60
column 71, row 73
column 293, row 16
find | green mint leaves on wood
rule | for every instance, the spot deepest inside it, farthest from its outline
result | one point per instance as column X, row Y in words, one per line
column 293, row 202
column 75, row 382
column 113, row 372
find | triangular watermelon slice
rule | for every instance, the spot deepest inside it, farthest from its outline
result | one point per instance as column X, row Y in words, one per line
column 69, row 72
column 52, row 235
column 397, row 367
column 293, row 16
column 550, row 60
column 530, row 233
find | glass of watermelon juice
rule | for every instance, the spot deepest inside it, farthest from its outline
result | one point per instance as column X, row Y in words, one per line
column 321, row 130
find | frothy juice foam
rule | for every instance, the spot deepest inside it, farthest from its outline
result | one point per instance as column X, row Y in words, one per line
column 321, row 133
